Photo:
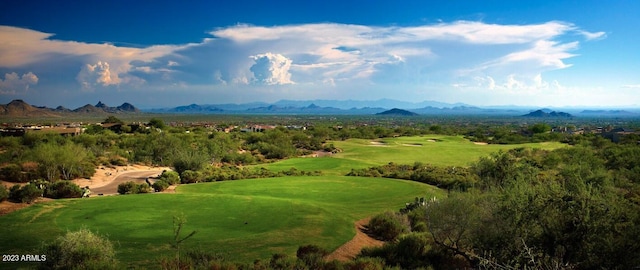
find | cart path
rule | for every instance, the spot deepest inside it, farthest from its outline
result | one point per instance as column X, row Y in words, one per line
column 137, row 176
column 350, row 249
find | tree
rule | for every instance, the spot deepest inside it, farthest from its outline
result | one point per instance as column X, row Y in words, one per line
column 112, row 119
column 156, row 123
column 80, row 249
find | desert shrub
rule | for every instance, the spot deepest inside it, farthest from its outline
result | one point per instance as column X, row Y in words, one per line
column 26, row 194
column 388, row 225
column 4, row 193
column 190, row 176
column 160, row 185
column 13, row 173
column 366, row 263
column 312, row 256
column 80, row 250
column 143, row 188
column 170, row 177
column 63, row 189
column 128, row 188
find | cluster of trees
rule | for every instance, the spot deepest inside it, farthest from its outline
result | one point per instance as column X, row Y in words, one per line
column 571, row 208
column 44, row 156
column 448, row 177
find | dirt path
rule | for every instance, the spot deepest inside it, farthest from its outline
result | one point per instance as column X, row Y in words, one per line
column 350, row 249
column 136, row 176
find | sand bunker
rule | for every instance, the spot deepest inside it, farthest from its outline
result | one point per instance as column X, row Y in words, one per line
column 412, row 144
column 376, row 143
column 480, row 143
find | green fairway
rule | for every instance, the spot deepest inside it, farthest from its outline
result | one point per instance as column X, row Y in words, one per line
column 245, row 219
column 438, row 150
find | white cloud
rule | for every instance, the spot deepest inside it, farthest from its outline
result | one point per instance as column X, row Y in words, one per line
column 271, row 69
column 312, row 56
column 21, row 47
column 631, row 86
column 98, row 74
column 14, row 83
column 593, row 36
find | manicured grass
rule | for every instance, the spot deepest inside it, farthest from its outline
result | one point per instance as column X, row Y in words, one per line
column 244, row 219
column 432, row 149
column 438, row 150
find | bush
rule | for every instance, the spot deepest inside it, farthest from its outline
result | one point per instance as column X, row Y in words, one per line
column 160, row 185
column 388, row 225
column 80, row 250
column 4, row 193
column 170, row 177
column 13, row 173
column 26, row 194
column 63, row 189
column 312, row 256
column 128, row 188
column 189, row 176
column 143, row 188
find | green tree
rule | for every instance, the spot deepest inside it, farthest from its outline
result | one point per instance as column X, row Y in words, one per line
column 113, row 119
column 156, row 123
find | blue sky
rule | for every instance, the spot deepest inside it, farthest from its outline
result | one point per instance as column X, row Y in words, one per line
column 168, row 53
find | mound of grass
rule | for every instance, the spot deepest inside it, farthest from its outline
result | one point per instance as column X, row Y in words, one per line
column 244, row 220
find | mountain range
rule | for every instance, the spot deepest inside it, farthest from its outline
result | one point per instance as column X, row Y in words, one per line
column 19, row 108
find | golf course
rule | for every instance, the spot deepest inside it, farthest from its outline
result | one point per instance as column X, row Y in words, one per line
column 246, row 220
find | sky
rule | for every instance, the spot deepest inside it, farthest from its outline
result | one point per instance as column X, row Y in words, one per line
column 156, row 54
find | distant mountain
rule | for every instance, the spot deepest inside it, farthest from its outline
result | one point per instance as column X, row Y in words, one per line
column 19, row 108
column 381, row 103
column 542, row 113
column 194, row 108
column 397, row 112
column 607, row 112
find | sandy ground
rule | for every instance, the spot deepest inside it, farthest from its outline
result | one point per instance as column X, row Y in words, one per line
column 104, row 181
column 480, row 143
column 381, row 144
column 350, row 249
column 106, row 175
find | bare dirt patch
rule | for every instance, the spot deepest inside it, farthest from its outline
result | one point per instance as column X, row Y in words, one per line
column 106, row 175
column 350, row 249
column 7, row 207
column 480, row 143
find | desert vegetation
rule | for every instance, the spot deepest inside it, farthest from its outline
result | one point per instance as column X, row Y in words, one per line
column 442, row 194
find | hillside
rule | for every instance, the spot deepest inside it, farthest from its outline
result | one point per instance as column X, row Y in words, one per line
column 542, row 113
column 397, row 112
column 19, row 108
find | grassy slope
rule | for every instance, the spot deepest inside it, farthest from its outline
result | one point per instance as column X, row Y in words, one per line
column 281, row 214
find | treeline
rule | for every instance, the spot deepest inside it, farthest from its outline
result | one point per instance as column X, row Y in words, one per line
column 571, row 208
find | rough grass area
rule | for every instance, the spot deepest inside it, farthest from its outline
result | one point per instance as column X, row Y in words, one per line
column 244, row 219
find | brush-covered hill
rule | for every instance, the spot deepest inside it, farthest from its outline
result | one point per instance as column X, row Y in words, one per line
column 20, row 108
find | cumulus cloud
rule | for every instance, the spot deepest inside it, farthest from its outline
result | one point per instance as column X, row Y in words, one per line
column 21, row 47
column 14, row 83
column 97, row 74
column 271, row 69
column 313, row 56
